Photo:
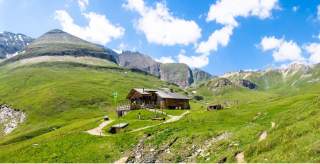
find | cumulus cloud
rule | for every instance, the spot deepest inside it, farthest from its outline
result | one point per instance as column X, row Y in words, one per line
column 218, row 38
column 83, row 4
column 165, row 59
column 225, row 12
column 313, row 49
column 161, row 27
column 282, row 50
column 99, row 29
column 269, row 43
column 198, row 61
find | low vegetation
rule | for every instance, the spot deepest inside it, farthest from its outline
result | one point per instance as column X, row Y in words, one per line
column 63, row 100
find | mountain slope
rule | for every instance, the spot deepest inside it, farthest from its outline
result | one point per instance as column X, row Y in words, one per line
column 11, row 43
column 60, row 43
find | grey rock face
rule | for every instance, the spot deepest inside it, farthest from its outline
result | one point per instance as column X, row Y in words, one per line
column 220, row 83
column 176, row 73
column 136, row 60
column 11, row 43
column 200, row 75
column 246, row 84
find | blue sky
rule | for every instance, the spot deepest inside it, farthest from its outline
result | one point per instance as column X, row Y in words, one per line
column 244, row 35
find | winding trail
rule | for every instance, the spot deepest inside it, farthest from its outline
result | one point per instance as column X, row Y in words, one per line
column 98, row 130
column 171, row 119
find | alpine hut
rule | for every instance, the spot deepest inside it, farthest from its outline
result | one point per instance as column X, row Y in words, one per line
column 155, row 98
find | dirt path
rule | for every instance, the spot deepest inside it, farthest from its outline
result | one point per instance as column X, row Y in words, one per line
column 98, row 130
column 175, row 118
column 171, row 119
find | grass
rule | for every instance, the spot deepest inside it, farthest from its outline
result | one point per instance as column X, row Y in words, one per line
column 132, row 118
column 63, row 100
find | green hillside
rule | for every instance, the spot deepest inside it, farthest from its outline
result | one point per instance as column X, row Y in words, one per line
column 63, row 100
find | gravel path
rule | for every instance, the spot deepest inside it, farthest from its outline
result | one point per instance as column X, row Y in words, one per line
column 171, row 119
column 98, row 130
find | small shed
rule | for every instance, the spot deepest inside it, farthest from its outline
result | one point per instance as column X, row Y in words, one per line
column 215, row 107
column 117, row 127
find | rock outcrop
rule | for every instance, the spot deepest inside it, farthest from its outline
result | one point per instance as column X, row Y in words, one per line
column 246, row 84
column 10, row 119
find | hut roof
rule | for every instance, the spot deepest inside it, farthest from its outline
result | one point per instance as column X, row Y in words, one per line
column 120, row 125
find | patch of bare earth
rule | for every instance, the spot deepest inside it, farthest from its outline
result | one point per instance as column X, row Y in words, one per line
column 240, row 157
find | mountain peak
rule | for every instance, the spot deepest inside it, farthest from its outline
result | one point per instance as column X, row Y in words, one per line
column 54, row 31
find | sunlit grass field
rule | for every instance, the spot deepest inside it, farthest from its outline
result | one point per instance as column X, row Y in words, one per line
column 63, row 100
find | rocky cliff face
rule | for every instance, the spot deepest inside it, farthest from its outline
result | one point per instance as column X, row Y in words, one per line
column 136, row 60
column 246, row 83
column 200, row 75
column 176, row 73
column 11, row 43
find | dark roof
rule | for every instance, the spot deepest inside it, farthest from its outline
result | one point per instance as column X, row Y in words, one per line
column 162, row 94
column 120, row 125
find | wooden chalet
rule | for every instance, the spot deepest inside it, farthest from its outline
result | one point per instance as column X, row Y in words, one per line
column 154, row 98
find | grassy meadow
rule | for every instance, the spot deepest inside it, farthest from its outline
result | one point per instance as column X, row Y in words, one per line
column 63, row 100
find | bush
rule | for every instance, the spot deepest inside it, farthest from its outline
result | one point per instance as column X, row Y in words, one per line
column 198, row 98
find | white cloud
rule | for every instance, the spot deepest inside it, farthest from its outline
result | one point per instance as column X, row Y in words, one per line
column 83, row 4
column 161, row 27
column 165, row 59
column 282, row 50
column 99, row 29
column 193, row 61
column 314, row 50
column 217, row 38
column 225, row 12
column 269, row 43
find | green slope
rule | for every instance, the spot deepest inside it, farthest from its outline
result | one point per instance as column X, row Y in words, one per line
column 62, row 100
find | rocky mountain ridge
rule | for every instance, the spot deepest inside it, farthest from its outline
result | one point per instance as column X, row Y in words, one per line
column 11, row 43
column 177, row 73
column 59, row 43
